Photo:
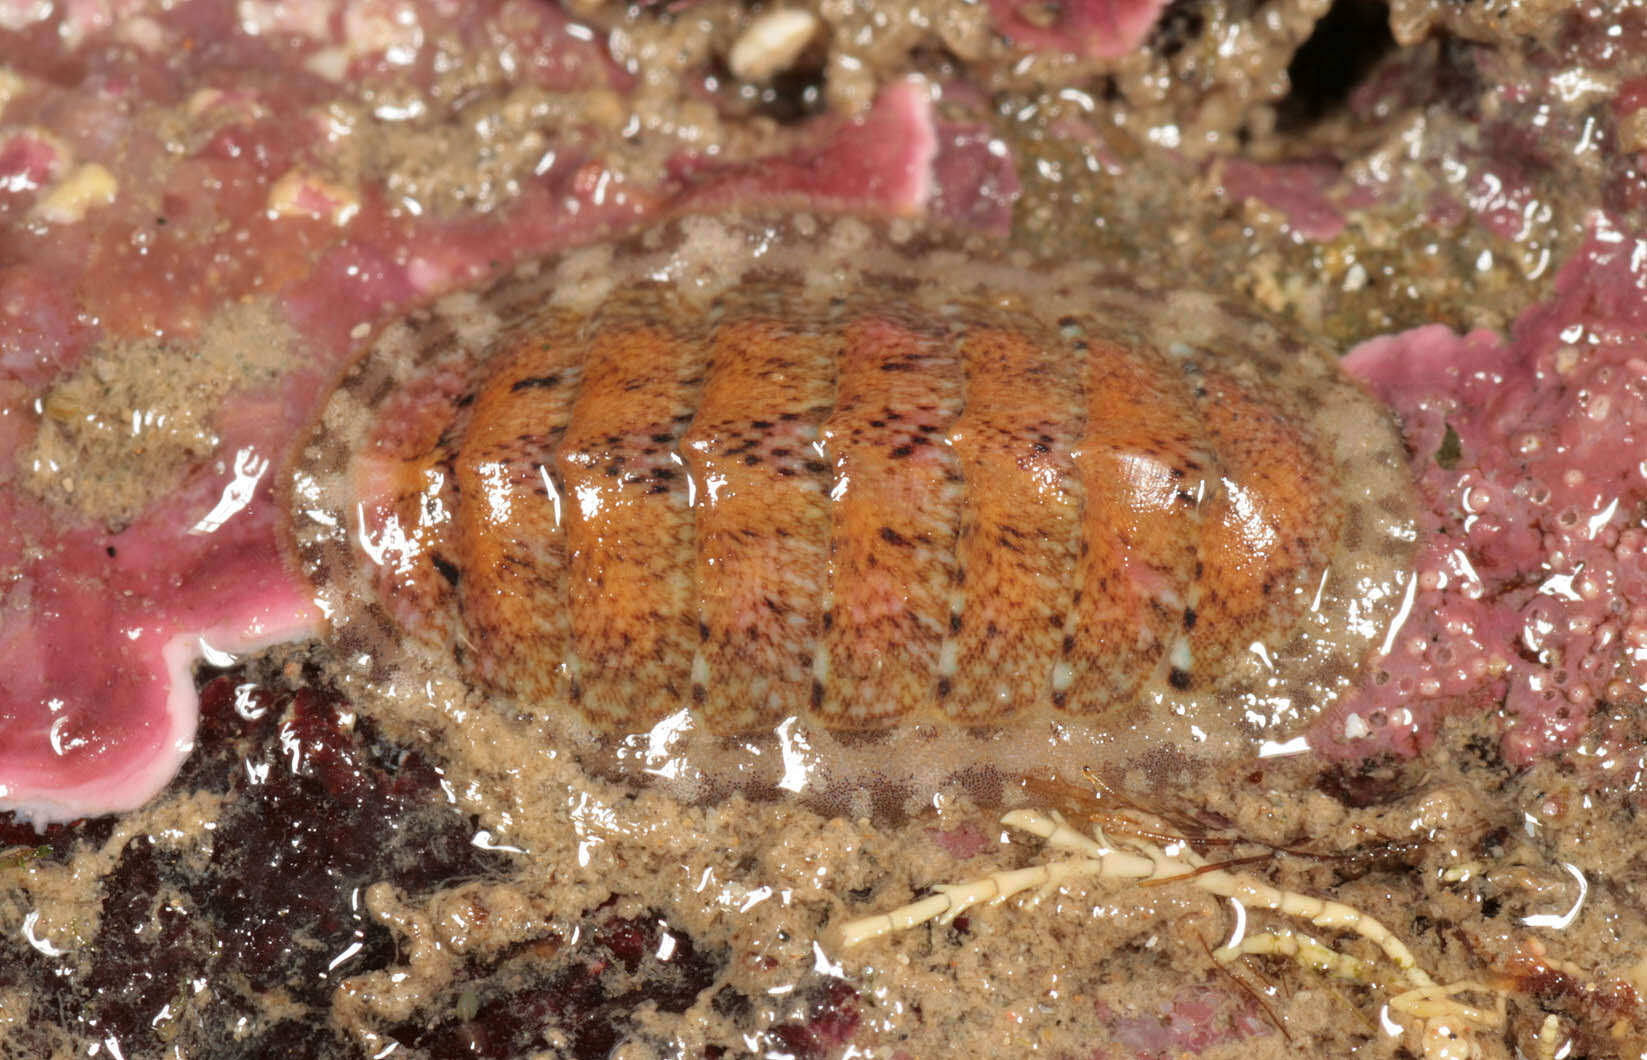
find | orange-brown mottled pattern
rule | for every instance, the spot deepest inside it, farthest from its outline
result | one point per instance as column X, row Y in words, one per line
column 827, row 499
column 764, row 502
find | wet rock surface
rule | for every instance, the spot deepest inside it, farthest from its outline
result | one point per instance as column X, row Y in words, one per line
column 1361, row 169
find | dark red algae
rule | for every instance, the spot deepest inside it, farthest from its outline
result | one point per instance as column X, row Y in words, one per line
column 247, row 939
column 580, row 998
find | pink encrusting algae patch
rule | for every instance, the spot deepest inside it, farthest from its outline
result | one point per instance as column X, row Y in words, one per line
column 1189, row 1023
column 93, row 630
column 101, row 624
column 1299, row 190
column 1531, row 455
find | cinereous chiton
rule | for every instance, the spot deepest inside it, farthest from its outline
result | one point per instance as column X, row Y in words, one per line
column 923, row 504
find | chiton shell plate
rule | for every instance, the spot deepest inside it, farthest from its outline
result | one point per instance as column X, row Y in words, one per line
column 739, row 474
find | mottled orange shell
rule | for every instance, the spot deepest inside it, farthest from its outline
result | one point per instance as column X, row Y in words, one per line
column 822, row 468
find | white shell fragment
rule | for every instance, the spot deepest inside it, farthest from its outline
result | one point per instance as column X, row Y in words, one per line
column 772, row 43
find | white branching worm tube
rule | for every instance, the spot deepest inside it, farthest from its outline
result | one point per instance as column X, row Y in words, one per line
column 1104, row 860
column 1100, row 858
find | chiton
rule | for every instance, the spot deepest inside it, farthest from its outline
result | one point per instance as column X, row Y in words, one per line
column 734, row 475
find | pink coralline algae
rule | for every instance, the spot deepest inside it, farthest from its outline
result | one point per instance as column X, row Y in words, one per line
column 98, row 643
column 1298, row 190
column 1194, row 1020
column 1530, row 595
